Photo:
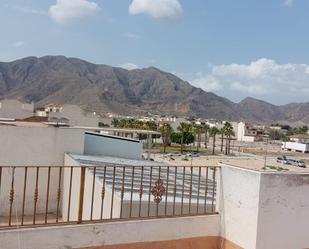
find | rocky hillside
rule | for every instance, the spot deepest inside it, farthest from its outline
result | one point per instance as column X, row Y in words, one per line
column 57, row 79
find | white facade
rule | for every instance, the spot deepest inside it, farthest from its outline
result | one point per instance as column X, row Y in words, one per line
column 297, row 147
column 76, row 116
column 242, row 135
column 11, row 108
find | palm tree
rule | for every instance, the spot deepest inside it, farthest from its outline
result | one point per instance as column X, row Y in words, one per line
column 222, row 132
column 213, row 132
column 183, row 128
column 198, row 130
column 166, row 131
column 206, row 130
column 228, row 131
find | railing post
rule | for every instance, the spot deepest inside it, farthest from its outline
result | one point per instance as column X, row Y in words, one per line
column 81, row 195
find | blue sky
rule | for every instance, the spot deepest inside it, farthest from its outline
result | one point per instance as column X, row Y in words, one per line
column 233, row 48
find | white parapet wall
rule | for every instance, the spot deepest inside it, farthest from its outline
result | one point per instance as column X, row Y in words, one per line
column 111, row 233
column 114, row 146
column 239, row 205
column 264, row 210
column 88, row 188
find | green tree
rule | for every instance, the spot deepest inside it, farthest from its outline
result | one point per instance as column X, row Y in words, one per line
column 206, row 130
column 166, row 131
column 228, row 131
column 183, row 128
column 222, row 132
column 213, row 132
column 198, row 130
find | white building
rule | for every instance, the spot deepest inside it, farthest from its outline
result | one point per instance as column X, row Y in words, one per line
column 244, row 134
column 14, row 109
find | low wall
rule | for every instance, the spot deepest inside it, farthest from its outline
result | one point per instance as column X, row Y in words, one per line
column 113, row 233
column 264, row 210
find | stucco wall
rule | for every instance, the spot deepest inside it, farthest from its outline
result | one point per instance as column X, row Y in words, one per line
column 98, row 144
column 74, row 205
column 239, row 201
column 33, row 146
column 79, row 236
column 264, row 210
column 36, row 146
column 283, row 211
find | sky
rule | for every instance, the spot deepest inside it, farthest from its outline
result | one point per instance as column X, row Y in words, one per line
column 236, row 49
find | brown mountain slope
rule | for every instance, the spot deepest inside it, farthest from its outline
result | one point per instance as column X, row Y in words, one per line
column 57, row 79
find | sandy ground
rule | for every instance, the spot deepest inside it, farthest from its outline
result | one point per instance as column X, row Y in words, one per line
column 253, row 162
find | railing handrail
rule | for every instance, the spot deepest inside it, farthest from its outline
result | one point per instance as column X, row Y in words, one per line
column 66, row 194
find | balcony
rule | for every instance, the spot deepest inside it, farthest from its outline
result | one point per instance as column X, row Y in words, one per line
column 88, row 204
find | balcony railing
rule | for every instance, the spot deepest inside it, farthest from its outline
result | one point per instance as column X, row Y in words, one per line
column 40, row 196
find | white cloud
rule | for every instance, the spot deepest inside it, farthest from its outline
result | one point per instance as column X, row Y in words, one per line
column 207, row 83
column 19, row 44
column 156, row 8
column 263, row 78
column 65, row 11
column 129, row 66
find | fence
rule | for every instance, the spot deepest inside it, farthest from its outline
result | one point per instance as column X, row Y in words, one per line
column 49, row 195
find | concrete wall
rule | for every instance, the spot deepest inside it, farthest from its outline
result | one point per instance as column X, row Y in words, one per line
column 283, row 211
column 74, row 206
column 32, row 146
column 113, row 233
column 107, row 145
column 239, row 205
column 264, row 210
column 10, row 108
column 76, row 116
column 36, row 146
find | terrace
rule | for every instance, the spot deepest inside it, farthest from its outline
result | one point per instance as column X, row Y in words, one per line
column 91, row 203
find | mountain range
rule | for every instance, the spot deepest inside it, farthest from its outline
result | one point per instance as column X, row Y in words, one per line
column 103, row 88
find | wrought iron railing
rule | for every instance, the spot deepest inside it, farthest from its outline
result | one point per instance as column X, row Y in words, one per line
column 34, row 196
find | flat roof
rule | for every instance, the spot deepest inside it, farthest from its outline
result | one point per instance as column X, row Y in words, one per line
column 150, row 175
column 118, row 130
column 90, row 160
column 112, row 137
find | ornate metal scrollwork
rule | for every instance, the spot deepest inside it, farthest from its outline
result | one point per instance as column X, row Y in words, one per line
column 158, row 191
